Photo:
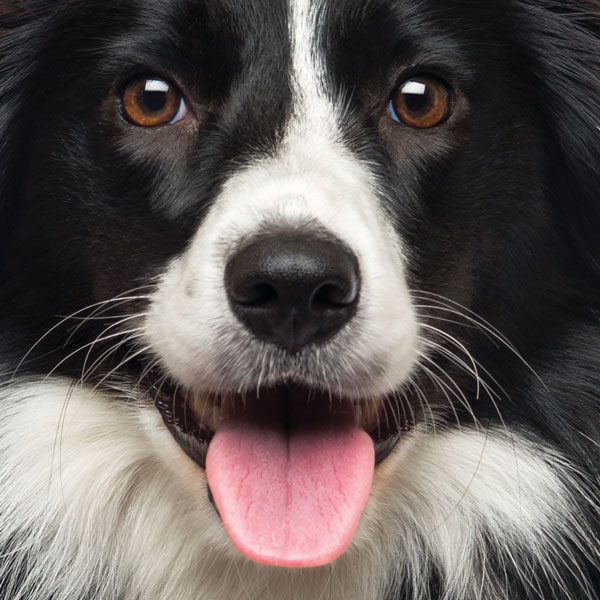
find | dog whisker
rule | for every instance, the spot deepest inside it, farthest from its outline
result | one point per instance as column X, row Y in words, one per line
column 49, row 332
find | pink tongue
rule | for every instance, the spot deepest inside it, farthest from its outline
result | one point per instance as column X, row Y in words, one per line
column 290, row 498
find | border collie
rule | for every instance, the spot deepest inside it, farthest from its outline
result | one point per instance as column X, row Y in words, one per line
column 299, row 300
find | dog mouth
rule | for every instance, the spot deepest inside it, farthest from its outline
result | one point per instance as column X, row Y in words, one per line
column 194, row 418
column 289, row 468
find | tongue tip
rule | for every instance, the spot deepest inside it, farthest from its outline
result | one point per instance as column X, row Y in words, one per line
column 295, row 554
column 293, row 560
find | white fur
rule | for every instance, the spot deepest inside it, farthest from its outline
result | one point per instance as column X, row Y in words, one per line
column 96, row 488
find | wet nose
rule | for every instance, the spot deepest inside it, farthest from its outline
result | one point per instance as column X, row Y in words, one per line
column 293, row 289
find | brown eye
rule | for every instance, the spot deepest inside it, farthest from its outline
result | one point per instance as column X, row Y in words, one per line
column 150, row 102
column 422, row 102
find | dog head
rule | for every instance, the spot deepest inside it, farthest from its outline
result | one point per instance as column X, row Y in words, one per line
column 353, row 203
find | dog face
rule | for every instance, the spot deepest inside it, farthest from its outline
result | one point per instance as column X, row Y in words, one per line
column 290, row 121
column 373, row 207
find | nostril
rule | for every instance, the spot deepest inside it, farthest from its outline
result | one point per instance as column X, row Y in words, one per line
column 334, row 295
column 255, row 294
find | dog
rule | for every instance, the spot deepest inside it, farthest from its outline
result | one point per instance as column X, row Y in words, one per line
column 299, row 300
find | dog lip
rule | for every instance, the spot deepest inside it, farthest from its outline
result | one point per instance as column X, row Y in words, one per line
column 194, row 434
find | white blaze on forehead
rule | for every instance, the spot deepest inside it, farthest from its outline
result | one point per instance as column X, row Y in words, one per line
column 311, row 106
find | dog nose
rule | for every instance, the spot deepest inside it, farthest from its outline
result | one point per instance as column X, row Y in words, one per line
column 293, row 289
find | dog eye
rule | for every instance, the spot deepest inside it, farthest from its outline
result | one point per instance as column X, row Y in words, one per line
column 150, row 102
column 422, row 102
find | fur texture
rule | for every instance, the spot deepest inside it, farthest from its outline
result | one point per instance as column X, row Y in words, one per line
column 480, row 284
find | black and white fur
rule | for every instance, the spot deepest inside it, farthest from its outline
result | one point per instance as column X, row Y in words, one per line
column 479, row 251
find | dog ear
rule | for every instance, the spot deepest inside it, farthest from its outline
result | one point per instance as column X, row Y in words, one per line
column 565, row 38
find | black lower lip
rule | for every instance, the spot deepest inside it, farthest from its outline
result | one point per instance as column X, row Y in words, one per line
column 384, row 448
column 195, row 446
column 194, row 438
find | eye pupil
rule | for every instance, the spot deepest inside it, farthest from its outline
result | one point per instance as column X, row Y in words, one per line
column 416, row 102
column 155, row 101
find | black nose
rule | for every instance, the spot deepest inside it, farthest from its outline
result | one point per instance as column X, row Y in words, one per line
column 293, row 288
